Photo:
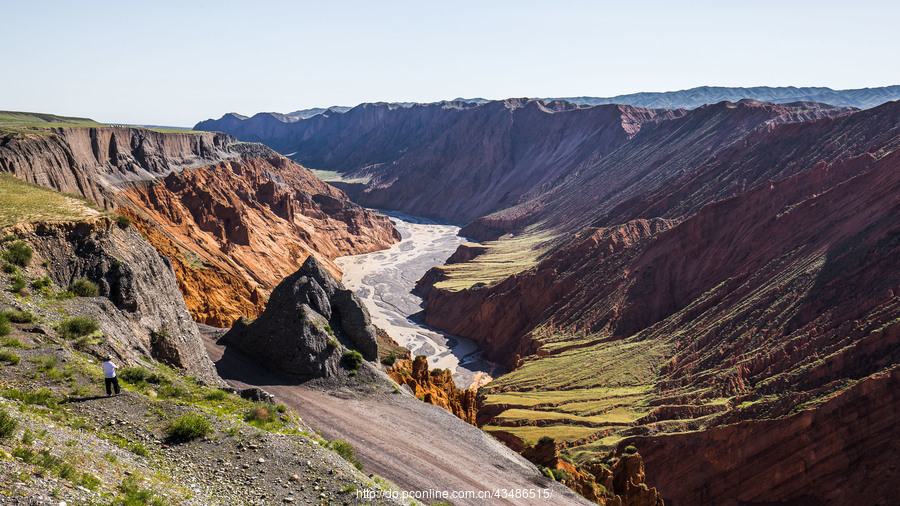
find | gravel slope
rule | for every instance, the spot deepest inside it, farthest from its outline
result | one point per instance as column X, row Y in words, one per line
column 416, row 445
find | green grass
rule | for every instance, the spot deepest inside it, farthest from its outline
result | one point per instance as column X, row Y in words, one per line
column 77, row 326
column 8, row 424
column 18, row 316
column 333, row 176
column 28, row 202
column 189, row 427
column 560, row 433
column 502, row 259
column 352, row 359
column 18, row 253
column 347, row 451
column 83, row 287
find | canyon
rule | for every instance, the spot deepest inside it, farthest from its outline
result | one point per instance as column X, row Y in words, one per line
column 656, row 279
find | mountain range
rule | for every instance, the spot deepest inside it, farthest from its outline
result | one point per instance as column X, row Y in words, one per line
column 667, row 280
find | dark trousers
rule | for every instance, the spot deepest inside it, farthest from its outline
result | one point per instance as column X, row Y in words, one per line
column 112, row 382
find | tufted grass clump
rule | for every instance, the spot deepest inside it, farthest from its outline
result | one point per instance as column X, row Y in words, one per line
column 352, row 359
column 77, row 326
column 390, row 359
column 83, row 287
column 188, row 427
column 8, row 424
column 18, row 253
column 18, row 316
column 260, row 414
column 347, row 451
column 9, row 357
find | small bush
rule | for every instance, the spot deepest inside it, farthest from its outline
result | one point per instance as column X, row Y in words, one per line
column 77, row 326
column 133, row 375
column 216, row 395
column 352, row 359
column 8, row 424
column 437, row 371
column 19, row 253
column 281, row 408
column 630, row 449
column 17, row 316
column 547, row 472
column 18, row 284
column 4, row 326
column 9, row 357
column 389, row 360
column 83, row 287
column 10, row 268
column 41, row 283
column 347, row 451
column 25, row 454
column 64, row 295
column 123, row 221
column 546, row 440
column 332, row 344
column 188, row 427
column 262, row 413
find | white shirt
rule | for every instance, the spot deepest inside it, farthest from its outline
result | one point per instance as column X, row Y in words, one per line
column 109, row 369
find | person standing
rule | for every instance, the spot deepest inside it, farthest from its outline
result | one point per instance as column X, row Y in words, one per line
column 109, row 372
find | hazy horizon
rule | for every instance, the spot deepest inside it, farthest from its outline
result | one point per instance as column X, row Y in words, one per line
column 177, row 64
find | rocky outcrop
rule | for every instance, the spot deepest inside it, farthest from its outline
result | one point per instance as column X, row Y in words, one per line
column 139, row 309
column 609, row 481
column 95, row 162
column 309, row 321
column 435, row 387
column 235, row 229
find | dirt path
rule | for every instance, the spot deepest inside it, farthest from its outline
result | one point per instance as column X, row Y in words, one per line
column 418, row 446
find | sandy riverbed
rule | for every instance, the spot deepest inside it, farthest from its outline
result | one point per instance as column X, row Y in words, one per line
column 385, row 279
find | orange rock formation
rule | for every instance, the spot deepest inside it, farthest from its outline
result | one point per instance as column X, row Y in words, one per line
column 435, row 387
column 233, row 230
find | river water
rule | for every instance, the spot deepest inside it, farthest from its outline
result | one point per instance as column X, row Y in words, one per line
column 384, row 281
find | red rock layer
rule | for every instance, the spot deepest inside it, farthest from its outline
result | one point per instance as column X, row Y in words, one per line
column 235, row 229
column 843, row 452
column 435, row 387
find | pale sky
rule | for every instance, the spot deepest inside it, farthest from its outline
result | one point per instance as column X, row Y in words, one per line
column 180, row 62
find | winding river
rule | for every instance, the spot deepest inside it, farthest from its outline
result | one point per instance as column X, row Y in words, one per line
column 385, row 279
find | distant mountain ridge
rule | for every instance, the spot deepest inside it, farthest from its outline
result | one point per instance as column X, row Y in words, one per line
column 863, row 98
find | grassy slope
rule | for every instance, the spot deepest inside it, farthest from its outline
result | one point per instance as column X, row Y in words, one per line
column 23, row 201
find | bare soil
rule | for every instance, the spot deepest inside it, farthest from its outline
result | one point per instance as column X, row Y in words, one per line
column 418, row 446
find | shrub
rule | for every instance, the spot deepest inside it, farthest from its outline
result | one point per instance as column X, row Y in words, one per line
column 347, row 451
column 437, row 371
column 41, row 283
column 8, row 424
column 77, row 326
column 4, row 326
column 630, row 449
column 261, row 412
column 546, row 440
column 188, row 427
column 19, row 253
column 332, row 344
column 352, row 358
column 133, row 375
column 389, row 360
column 18, row 284
column 17, row 316
column 281, row 408
column 547, row 472
column 83, row 287
column 123, row 221
column 10, row 268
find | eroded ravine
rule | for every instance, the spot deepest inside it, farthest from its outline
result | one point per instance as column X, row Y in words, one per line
column 384, row 281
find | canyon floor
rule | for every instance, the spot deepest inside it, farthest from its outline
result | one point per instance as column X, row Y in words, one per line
column 384, row 281
column 418, row 446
